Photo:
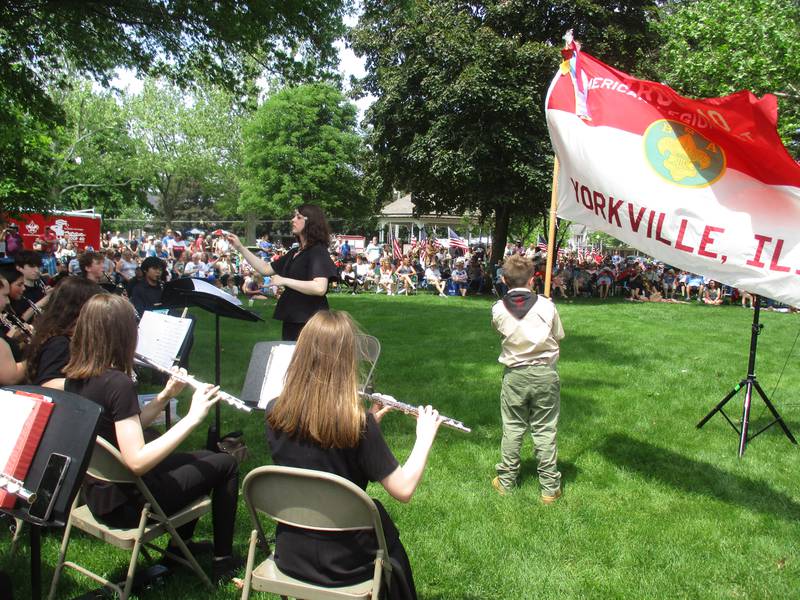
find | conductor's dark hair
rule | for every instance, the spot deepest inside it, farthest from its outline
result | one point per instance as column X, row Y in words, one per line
column 316, row 230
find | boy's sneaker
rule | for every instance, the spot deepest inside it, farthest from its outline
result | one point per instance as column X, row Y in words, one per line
column 550, row 499
column 499, row 487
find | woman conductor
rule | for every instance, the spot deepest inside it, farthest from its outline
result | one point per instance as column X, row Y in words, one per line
column 304, row 272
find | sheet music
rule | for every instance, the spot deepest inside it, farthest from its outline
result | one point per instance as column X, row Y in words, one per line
column 161, row 337
column 279, row 358
column 16, row 410
column 207, row 288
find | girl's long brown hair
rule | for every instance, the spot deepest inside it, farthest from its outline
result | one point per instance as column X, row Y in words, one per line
column 320, row 399
column 59, row 316
column 104, row 338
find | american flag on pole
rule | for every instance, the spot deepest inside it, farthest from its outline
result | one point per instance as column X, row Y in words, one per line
column 397, row 251
column 455, row 241
column 704, row 185
column 541, row 243
column 423, row 240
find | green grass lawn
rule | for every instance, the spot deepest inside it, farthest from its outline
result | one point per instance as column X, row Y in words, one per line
column 652, row 507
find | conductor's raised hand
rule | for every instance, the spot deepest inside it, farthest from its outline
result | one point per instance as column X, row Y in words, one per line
column 234, row 239
column 428, row 421
column 203, row 399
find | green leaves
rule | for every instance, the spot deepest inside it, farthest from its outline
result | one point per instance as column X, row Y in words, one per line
column 301, row 146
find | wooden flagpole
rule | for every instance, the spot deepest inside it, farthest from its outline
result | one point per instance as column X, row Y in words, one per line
column 551, row 235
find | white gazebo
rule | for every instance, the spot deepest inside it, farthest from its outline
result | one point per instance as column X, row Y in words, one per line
column 400, row 213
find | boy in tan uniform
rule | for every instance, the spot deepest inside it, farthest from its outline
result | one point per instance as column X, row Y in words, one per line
column 530, row 397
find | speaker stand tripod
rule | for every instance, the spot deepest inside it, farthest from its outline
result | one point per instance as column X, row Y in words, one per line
column 749, row 384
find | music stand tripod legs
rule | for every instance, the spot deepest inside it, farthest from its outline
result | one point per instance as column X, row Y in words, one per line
column 749, row 384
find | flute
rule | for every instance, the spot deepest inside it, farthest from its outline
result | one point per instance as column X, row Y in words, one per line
column 17, row 488
column 386, row 400
column 192, row 382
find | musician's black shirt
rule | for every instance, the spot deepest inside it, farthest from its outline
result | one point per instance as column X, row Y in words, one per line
column 116, row 393
column 145, row 296
column 53, row 357
column 321, row 557
column 306, row 265
column 33, row 293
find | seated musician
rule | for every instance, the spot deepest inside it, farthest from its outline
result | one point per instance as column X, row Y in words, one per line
column 29, row 263
column 319, row 422
column 100, row 368
column 146, row 293
column 92, row 266
column 12, row 370
column 48, row 351
column 16, row 332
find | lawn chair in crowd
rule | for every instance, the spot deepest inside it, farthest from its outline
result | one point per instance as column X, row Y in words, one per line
column 312, row 500
column 107, row 465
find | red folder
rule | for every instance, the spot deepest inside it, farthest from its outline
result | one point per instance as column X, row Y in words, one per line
column 33, row 411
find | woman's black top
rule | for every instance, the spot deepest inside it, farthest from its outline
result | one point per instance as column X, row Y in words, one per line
column 52, row 358
column 116, row 393
column 325, row 558
column 304, row 265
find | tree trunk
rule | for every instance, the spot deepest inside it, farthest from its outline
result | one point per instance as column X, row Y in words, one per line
column 250, row 228
column 502, row 217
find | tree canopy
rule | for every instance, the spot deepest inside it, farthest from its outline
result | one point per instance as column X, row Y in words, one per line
column 226, row 42
column 302, row 146
column 460, row 87
column 717, row 47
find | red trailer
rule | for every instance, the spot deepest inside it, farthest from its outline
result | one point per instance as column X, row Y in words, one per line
column 81, row 227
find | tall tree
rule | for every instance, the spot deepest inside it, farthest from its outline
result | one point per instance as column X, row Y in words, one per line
column 459, row 119
column 717, row 47
column 229, row 42
column 94, row 159
column 190, row 143
column 302, row 147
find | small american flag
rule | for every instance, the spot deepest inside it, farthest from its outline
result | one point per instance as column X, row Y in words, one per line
column 455, row 241
column 423, row 240
column 541, row 243
column 397, row 251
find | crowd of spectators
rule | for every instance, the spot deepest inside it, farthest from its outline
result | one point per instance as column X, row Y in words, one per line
column 379, row 268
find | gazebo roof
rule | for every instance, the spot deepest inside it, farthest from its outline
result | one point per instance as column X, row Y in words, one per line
column 402, row 210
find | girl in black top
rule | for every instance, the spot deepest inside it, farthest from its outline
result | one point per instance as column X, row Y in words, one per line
column 48, row 351
column 304, row 272
column 100, row 369
column 319, row 422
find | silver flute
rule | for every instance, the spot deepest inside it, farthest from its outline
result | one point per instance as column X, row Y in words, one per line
column 17, row 488
column 192, row 382
column 386, row 400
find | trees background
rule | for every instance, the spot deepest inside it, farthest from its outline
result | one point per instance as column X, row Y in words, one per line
column 458, row 119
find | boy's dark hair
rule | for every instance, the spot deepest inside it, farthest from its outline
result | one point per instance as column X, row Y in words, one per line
column 28, row 258
column 152, row 262
column 517, row 271
column 86, row 259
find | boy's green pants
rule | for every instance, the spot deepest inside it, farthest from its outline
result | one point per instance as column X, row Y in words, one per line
column 530, row 400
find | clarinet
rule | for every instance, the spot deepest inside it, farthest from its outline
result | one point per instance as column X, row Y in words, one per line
column 36, row 310
column 10, row 320
column 386, row 400
column 192, row 382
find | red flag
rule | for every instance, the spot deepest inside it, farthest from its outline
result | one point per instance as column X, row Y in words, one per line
column 705, row 185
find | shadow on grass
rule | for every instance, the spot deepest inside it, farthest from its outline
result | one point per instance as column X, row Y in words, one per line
column 696, row 477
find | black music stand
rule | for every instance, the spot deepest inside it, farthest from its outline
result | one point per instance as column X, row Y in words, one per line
column 189, row 291
column 71, row 431
column 749, row 383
